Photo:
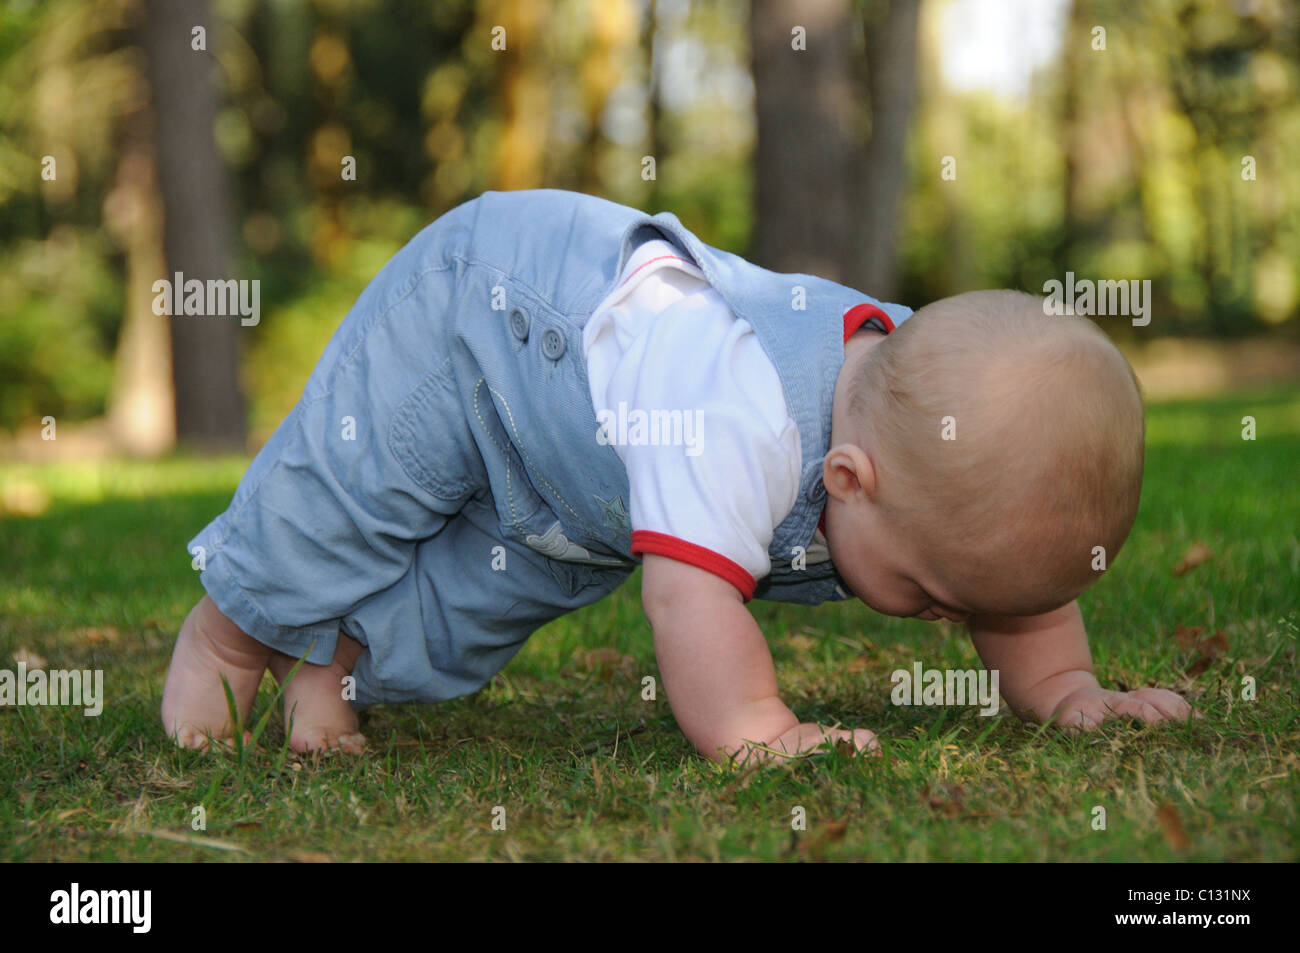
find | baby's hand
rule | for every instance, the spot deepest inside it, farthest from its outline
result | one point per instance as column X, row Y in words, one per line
column 1088, row 707
column 1046, row 672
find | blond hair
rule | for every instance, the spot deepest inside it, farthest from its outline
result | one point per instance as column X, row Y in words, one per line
column 1044, row 421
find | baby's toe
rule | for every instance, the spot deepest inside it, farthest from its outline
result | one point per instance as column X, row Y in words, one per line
column 305, row 740
column 327, row 739
column 353, row 743
column 187, row 736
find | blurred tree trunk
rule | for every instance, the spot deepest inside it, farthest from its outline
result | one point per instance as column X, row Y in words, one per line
column 827, row 180
column 809, row 145
column 1073, row 66
column 891, row 78
column 524, row 91
column 142, row 406
column 196, row 220
column 654, row 118
column 612, row 41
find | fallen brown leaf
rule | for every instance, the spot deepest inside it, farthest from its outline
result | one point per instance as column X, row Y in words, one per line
column 814, row 844
column 98, row 635
column 1196, row 554
column 947, row 800
column 845, row 748
column 1207, row 649
column 835, row 830
column 800, row 642
column 1172, row 824
column 607, row 660
column 1215, row 645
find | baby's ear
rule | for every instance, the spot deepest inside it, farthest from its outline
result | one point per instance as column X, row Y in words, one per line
column 846, row 470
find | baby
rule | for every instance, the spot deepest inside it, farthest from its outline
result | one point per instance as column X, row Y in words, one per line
column 543, row 388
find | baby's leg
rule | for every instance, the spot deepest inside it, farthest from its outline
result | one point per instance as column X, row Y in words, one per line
column 313, row 701
column 194, row 703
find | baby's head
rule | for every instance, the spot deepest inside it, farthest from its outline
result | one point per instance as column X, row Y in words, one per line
column 979, row 456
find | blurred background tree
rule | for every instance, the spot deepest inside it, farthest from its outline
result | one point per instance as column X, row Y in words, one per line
column 912, row 148
column 194, row 186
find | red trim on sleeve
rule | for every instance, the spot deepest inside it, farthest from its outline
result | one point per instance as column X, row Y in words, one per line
column 661, row 544
column 860, row 314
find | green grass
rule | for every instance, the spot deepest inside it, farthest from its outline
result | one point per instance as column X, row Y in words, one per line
column 585, row 769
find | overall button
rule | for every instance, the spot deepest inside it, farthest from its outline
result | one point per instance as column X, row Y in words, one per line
column 519, row 323
column 553, row 344
column 817, row 492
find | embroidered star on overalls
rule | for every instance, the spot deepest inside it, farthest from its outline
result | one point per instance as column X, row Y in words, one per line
column 614, row 514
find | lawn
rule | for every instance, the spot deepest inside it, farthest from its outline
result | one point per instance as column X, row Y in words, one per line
column 93, row 575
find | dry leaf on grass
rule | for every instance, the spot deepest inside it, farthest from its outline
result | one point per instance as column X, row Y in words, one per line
column 947, row 800
column 1196, row 554
column 1207, row 649
column 800, row 642
column 1171, row 823
column 817, row 839
column 606, row 661
column 845, row 748
column 835, row 830
column 96, row 636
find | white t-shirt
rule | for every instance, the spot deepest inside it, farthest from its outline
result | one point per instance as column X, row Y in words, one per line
column 696, row 411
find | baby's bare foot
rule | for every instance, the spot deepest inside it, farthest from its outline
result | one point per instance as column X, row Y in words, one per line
column 194, row 708
column 316, row 715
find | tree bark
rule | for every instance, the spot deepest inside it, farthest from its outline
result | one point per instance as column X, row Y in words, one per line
column 654, row 117
column 524, row 92
column 142, row 406
column 809, row 136
column 195, row 189
column 891, row 79
column 828, row 173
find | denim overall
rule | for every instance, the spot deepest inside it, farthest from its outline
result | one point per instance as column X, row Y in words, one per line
column 439, row 491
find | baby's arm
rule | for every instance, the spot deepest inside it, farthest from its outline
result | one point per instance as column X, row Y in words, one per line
column 1045, row 669
column 717, row 669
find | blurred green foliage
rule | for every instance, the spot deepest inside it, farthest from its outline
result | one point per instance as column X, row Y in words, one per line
column 1122, row 163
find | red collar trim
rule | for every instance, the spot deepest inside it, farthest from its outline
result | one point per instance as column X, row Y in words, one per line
column 860, row 314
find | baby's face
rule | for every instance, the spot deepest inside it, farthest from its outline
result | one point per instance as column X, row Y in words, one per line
column 891, row 568
column 887, row 569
